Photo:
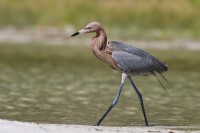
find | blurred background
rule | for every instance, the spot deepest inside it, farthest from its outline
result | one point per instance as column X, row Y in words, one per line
column 46, row 76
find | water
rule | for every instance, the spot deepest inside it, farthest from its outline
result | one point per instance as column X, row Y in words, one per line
column 79, row 93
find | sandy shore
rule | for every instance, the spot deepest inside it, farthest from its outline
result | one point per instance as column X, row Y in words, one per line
column 26, row 127
column 55, row 36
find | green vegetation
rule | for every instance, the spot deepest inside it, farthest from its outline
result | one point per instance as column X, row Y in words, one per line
column 155, row 19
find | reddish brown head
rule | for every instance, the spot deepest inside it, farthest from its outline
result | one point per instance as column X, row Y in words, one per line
column 91, row 27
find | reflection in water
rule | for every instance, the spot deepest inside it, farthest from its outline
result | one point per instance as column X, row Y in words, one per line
column 61, row 94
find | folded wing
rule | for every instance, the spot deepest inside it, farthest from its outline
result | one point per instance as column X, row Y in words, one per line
column 135, row 61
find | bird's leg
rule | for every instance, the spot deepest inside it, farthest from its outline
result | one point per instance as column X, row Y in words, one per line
column 141, row 100
column 114, row 101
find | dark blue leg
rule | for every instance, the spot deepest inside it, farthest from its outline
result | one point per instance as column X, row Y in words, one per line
column 114, row 101
column 140, row 98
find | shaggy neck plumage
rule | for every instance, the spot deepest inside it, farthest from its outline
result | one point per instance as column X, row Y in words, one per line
column 100, row 40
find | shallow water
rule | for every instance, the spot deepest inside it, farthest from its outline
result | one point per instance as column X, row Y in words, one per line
column 49, row 92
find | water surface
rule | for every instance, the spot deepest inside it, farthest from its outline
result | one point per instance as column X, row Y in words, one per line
column 64, row 85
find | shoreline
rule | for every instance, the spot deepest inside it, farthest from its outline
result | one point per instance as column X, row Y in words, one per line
column 56, row 36
column 7, row 126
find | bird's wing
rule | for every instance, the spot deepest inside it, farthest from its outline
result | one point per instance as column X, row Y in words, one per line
column 130, row 63
column 134, row 60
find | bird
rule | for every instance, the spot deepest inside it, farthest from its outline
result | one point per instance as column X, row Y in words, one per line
column 124, row 58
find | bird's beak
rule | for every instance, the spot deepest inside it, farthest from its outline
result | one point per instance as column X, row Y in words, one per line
column 78, row 33
column 75, row 34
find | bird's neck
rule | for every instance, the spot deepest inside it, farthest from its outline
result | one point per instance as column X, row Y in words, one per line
column 100, row 40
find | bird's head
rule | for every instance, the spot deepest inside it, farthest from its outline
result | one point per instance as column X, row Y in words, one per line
column 91, row 27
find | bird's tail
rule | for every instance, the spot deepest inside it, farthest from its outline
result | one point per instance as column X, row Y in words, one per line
column 163, row 67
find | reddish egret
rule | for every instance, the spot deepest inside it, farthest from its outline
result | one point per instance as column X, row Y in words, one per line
column 128, row 60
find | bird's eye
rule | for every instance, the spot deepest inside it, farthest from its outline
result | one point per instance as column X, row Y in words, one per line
column 87, row 28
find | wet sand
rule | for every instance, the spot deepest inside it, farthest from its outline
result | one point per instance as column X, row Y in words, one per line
column 27, row 127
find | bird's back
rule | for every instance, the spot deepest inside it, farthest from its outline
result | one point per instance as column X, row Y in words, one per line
column 135, row 61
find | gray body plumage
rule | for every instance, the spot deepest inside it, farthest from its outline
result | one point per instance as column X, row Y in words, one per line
column 134, row 61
